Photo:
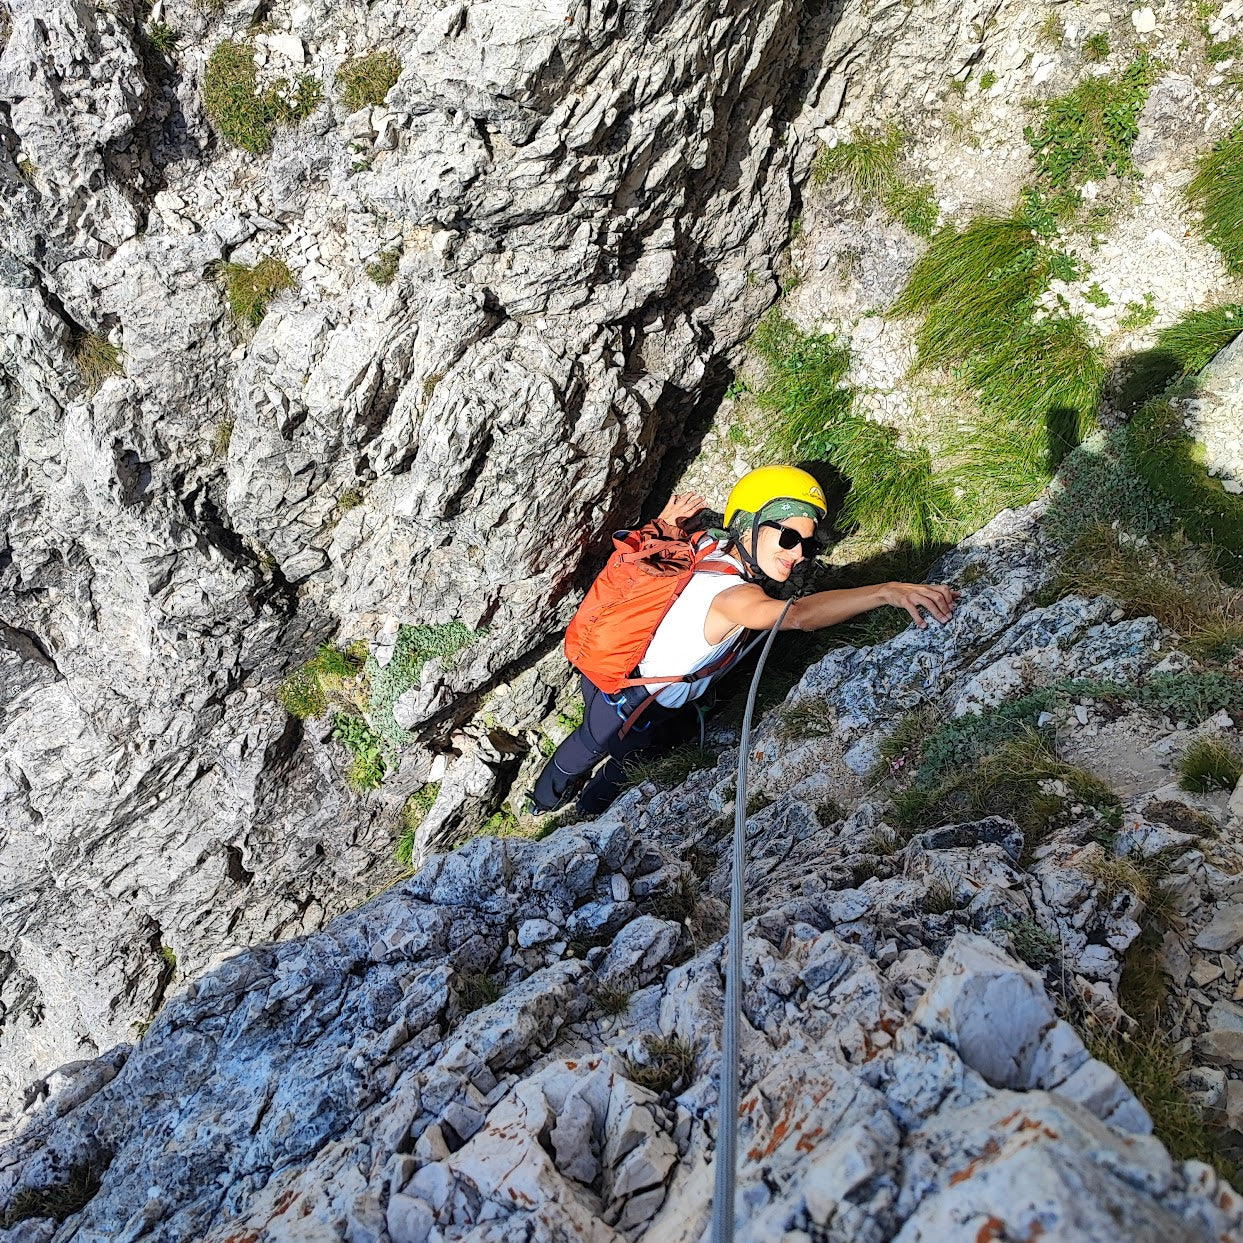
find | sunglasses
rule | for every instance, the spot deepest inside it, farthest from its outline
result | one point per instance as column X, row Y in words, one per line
column 789, row 538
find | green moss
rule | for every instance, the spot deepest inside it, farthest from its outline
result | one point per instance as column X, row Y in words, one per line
column 366, row 80
column 1088, row 134
column 251, row 289
column 242, row 114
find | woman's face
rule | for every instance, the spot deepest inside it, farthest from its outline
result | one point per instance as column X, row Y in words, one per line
column 775, row 561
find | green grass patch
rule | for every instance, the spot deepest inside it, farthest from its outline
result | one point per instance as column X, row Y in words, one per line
column 1038, row 383
column 867, row 163
column 1216, row 192
column 1088, row 134
column 1166, row 578
column 939, row 898
column 250, row 290
column 162, row 38
column 477, row 990
column 242, row 114
column 1210, row 764
column 385, row 267
column 1181, row 350
column 59, row 1201
column 670, row 769
column 609, row 1000
column 308, row 690
column 366, row 80
column 413, row 813
column 96, row 358
column 1166, row 456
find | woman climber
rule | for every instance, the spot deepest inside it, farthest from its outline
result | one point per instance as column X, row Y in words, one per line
column 671, row 612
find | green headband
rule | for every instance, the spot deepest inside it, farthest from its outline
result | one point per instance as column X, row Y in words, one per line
column 774, row 511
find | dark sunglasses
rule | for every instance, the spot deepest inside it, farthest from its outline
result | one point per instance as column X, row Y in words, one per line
column 789, row 538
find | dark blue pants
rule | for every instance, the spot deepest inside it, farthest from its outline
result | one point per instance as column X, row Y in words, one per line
column 596, row 738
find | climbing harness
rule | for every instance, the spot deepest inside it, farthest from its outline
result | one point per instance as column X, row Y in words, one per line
column 727, row 1097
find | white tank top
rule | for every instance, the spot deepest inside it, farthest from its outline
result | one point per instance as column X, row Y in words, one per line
column 679, row 646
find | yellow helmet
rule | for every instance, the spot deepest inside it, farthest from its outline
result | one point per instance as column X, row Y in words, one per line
column 761, row 487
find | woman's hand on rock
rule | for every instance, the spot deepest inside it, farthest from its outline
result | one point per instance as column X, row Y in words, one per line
column 936, row 598
column 681, row 507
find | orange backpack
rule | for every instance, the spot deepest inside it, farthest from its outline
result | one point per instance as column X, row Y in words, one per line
column 629, row 599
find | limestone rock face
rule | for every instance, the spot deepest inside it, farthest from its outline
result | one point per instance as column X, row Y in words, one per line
column 523, row 1039
column 579, row 208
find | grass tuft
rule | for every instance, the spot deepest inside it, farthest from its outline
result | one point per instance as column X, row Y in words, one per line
column 251, row 289
column 477, row 990
column 1210, row 764
column 59, row 1201
column 611, row 1001
column 1096, row 48
column 96, row 358
column 240, row 112
column 665, row 1063
column 385, row 267
column 162, row 38
column 868, row 163
column 412, row 816
column 1216, row 192
column 1183, row 349
column 1165, row 455
column 939, row 898
column 366, row 80
column 671, row 768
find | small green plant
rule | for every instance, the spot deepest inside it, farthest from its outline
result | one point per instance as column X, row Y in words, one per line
column 611, row 1001
column 678, row 903
column 988, row 79
column 96, row 358
column 415, row 646
column 1030, row 941
column 1096, row 295
column 1138, row 314
column 385, row 267
column 367, row 766
column 240, row 112
column 665, row 1063
column 1216, row 192
column 1096, row 47
column 351, row 498
column 162, row 38
column 1210, row 764
column 412, row 816
column 1088, row 134
column 808, row 717
column 250, row 290
column 1217, row 52
column 366, row 80
column 477, row 990
column 572, row 717
column 221, row 438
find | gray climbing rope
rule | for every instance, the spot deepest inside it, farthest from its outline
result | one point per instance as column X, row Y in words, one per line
column 727, row 1099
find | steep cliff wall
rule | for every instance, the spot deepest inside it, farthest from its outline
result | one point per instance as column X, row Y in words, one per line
column 575, row 209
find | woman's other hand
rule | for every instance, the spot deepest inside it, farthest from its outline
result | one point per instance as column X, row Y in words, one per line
column 682, row 507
